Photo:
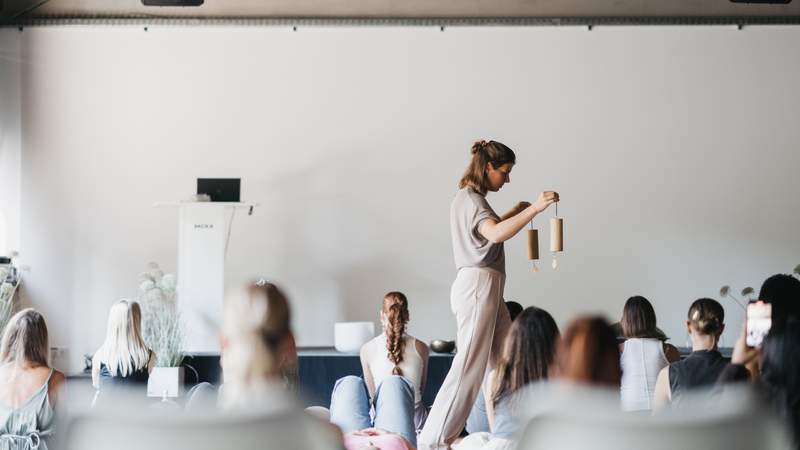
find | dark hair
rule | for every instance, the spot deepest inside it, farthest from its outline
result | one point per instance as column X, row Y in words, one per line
column 780, row 371
column 783, row 291
column 395, row 309
column 706, row 316
column 514, row 309
column 528, row 352
column 638, row 318
column 588, row 352
column 483, row 152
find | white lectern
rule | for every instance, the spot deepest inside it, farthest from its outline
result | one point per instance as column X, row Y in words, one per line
column 203, row 233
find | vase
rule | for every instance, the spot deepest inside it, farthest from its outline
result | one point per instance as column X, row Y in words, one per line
column 165, row 382
column 348, row 337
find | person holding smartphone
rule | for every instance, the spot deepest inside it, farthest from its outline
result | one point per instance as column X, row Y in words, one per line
column 476, row 297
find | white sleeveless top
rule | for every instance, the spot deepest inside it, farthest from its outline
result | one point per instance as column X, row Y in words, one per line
column 641, row 361
column 381, row 367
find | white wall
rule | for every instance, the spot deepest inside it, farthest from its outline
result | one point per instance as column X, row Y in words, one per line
column 10, row 145
column 675, row 150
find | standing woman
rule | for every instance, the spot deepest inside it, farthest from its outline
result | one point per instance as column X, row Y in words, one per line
column 476, row 297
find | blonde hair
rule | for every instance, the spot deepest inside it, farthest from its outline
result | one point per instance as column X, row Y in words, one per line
column 485, row 152
column 124, row 351
column 25, row 340
column 255, row 324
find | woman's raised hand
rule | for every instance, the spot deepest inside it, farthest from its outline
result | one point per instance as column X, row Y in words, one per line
column 546, row 199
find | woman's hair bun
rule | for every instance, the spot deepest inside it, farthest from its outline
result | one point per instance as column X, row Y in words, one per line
column 478, row 146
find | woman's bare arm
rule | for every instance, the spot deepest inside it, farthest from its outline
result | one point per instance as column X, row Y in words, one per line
column 662, row 395
column 367, row 373
column 422, row 349
column 504, row 230
column 96, row 370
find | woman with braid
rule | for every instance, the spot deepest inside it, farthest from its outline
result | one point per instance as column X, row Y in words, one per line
column 395, row 366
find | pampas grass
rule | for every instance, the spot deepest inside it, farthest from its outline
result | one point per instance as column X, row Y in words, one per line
column 7, row 290
column 162, row 328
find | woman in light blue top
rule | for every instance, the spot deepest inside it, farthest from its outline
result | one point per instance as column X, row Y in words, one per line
column 28, row 385
column 528, row 354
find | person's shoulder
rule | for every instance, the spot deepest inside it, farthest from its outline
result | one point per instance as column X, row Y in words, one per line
column 421, row 347
column 57, row 382
column 58, row 377
column 468, row 194
column 366, row 348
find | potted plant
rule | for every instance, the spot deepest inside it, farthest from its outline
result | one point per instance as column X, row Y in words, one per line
column 9, row 281
column 162, row 331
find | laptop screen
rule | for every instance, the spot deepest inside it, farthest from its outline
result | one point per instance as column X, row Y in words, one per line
column 220, row 189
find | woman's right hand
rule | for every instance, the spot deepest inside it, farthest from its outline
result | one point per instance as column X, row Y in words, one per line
column 545, row 199
column 742, row 354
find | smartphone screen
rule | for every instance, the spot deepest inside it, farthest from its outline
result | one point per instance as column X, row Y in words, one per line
column 759, row 321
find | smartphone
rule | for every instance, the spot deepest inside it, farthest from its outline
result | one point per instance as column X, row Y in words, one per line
column 759, row 321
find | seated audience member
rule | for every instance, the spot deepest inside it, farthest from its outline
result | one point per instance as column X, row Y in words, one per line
column 783, row 292
column 123, row 360
column 703, row 366
column 527, row 357
column 28, row 386
column 477, row 420
column 643, row 354
column 256, row 340
column 780, row 373
column 588, row 354
column 514, row 309
column 395, row 368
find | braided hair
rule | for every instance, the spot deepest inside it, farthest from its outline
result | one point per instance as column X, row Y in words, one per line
column 395, row 310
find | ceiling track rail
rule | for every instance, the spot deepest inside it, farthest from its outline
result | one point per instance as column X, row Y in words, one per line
column 740, row 21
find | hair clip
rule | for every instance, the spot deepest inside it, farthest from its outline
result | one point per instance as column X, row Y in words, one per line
column 261, row 282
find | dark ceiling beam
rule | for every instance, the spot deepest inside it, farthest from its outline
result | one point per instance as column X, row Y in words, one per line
column 411, row 12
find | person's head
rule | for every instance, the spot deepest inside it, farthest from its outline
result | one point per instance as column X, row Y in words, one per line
column 638, row 318
column 24, row 342
column 489, row 167
column 783, row 291
column 256, row 338
column 124, row 350
column 780, row 370
column 706, row 318
column 514, row 309
column 394, row 317
column 527, row 353
column 588, row 353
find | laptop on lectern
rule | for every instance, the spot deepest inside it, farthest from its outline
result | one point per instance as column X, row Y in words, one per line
column 220, row 189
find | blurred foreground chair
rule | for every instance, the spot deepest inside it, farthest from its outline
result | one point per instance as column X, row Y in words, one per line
column 732, row 421
column 168, row 430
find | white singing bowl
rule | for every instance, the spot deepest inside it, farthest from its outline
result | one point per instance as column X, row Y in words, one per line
column 348, row 337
